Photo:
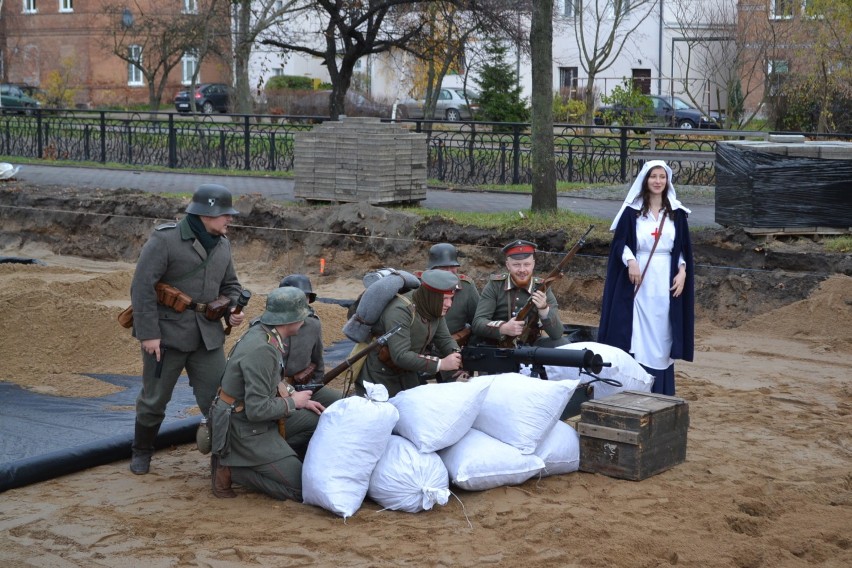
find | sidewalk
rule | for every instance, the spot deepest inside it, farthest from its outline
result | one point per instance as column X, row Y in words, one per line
column 282, row 190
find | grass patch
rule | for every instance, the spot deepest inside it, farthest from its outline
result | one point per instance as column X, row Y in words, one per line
column 838, row 244
column 561, row 186
column 571, row 223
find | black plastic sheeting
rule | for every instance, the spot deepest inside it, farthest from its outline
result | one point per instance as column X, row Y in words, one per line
column 757, row 189
column 45, row 436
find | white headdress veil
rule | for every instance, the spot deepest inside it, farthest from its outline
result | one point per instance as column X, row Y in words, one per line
column 634, row 199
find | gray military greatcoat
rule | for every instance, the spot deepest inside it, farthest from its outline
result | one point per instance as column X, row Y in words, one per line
column 500, row 300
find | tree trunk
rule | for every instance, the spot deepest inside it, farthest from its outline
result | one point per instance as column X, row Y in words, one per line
column 242, row 53
column 541, row 51
column 339, row 87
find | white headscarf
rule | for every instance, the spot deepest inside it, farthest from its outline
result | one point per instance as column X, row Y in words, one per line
column 634, row 199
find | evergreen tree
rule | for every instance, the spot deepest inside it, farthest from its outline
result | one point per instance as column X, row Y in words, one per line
column 499, row 93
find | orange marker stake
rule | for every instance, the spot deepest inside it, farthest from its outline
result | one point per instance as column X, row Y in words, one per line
column 322, row 266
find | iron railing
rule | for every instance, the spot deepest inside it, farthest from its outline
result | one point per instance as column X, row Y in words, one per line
column 464, row 153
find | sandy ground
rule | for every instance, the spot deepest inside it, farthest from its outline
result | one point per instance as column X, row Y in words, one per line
column 766, row 482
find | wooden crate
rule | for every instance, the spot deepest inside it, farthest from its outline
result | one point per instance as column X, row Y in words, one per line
column 633, row 435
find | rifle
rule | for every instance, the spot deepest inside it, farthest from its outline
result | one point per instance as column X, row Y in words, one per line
column 531, row 325
column 348, row 362
column 492, row 360
column 242, row 301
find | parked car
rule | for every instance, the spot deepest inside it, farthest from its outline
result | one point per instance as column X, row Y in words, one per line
column 452, row 105
column 13, row 99
column 209, row 97
column 316, row 103
column 667, row 111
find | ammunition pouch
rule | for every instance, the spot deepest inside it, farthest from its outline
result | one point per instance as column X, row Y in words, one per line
column 385, row 357
column 217, row 308
column 302, row 376
column 171, row 297
column 125, row 318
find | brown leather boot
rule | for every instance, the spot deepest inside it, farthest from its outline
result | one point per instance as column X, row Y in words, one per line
column 221, row 479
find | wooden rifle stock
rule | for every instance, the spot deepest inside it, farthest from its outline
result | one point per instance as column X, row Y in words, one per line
column 555, row 274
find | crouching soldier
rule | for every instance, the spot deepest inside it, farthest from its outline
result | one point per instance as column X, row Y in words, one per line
column 247, row 446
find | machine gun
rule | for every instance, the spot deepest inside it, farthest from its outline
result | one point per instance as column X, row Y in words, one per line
column 531, row 326
column 347, row 363
column 493, row 360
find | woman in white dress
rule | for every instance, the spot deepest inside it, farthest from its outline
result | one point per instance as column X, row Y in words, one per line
column 649, row 297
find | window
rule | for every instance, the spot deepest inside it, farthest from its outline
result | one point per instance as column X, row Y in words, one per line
column 30, row 7
column 134, row 65
column 568, row 78
column 190, row 6
column 810, row 10
column 277, row 71
column 776, row 73
column 188, row 65
column 781, row 9
column 569, row 8
column 66, row 5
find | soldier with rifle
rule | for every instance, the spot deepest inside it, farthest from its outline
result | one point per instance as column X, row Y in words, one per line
column 304, row 366
column 497, row 320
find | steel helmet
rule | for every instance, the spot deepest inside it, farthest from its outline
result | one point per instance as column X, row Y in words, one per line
column 443, row 254
column 301, row 282
column 285, row 305
column 211, row 200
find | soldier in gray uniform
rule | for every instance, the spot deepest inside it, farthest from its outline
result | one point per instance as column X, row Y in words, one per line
column 247, row 445
column 421, row 313
column 182, row 268
column 506, row 293
column 305, row 366
column 459, row 318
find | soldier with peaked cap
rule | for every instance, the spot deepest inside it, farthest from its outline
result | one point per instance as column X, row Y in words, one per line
column 177, row 331
column 305, row 365
column 247, row 446
column 506, row 293
column 421, row 314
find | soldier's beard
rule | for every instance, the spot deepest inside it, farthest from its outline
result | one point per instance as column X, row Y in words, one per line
column 521, row 283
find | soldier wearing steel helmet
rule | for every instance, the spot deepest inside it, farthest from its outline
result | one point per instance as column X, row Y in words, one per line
column 420, row 313
column 459, row 318
column 506, row 293
column 193, row 258
column 247, row 445
column 305, row 365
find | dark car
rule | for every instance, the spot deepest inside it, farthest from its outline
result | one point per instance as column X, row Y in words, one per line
column 13, row 99
column 209, row 97
column 666, row 111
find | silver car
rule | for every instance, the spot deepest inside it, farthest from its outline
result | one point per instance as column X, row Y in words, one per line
column 452, row 105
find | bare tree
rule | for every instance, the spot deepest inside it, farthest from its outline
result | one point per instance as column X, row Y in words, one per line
column 340, row 32
column 602, row 30
column 253, row 21
column 541, row 52
column 155, row 40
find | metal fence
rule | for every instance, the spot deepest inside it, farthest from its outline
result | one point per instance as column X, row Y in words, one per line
column 464, row 153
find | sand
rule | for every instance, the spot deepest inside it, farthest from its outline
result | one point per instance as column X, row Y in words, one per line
column 766, row 482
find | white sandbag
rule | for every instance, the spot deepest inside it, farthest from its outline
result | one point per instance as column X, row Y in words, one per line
column 434, row 416
column 520, row 410
column 351, row 437
column 624, row 369
column 478, row 462
column 560, row 450
column 407, row 480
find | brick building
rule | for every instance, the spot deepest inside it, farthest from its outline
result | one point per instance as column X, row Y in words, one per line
column 78, row 39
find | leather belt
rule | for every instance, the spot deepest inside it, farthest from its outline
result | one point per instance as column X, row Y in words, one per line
column 198, row 307
column 229, row 400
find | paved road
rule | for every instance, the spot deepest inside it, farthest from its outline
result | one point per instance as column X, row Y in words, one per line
column 282, row 189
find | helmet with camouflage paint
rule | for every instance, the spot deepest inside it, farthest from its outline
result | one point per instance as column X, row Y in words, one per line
column 443, row 254
column 285, row 305
column 301, row 282
column 211, row 200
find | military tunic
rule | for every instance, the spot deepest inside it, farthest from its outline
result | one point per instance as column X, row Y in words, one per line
column 501, row 300
column 407, row 348
column 172, row 255
column 251, row 377
column 464, row 305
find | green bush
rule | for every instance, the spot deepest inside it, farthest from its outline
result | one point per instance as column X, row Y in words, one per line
column 633, row 106
column 289, row 82
column 566, row 109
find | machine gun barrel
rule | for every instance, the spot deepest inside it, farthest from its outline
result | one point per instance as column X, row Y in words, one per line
column 486, row 359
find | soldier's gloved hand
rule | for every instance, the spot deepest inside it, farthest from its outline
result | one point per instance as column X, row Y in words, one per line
column 451, row 362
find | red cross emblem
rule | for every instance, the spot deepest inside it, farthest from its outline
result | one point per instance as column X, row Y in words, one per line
column 656, row 233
